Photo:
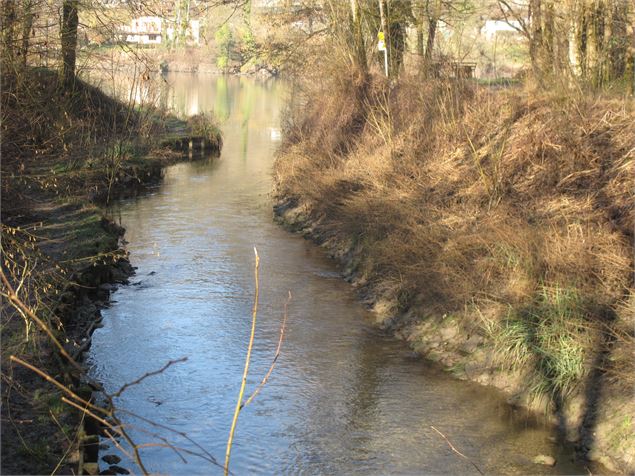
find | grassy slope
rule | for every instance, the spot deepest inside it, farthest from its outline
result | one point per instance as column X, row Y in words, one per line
column 64, row 155
column 493, row 230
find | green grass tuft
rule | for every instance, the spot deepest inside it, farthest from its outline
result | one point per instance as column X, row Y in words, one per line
column 550, row 333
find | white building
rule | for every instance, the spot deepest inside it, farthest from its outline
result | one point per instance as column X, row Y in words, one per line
column 493, row 27
column 155, row 30
column 144, row 30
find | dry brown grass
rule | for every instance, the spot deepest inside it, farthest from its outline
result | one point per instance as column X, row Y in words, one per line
column 453, row 194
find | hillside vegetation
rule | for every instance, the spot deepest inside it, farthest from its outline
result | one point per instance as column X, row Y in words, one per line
column 507, row 215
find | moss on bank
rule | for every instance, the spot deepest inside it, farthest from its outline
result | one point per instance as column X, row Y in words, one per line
column 491, row 229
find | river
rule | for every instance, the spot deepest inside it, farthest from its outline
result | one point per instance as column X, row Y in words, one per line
column 343, row 398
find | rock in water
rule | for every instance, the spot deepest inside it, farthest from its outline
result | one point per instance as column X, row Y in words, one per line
column 546, row 460
column 118, row 469
column 111, row 459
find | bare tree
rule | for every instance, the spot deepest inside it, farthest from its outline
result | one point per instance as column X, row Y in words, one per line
column 68, row 33
column 9, row 20
column 27, row 26
column 591, row 40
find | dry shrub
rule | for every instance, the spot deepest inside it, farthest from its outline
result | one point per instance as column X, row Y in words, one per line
column 64, row 142
column 40, row 117
column 321, row 119
column 44, row 126
column 456, row 194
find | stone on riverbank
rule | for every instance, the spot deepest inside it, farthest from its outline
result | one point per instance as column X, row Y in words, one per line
column 545, row 460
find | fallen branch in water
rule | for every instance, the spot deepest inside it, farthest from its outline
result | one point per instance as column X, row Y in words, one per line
column 208, row 456
column 116, row 427
column 457, row 451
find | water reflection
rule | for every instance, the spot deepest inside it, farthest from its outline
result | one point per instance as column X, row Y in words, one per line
column 343, row 399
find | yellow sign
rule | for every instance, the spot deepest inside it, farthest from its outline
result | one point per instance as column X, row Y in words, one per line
column 381, row 41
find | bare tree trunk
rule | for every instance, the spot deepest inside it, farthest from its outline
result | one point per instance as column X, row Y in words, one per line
column 592, row 51
column 433, row 15
column 535, row 39
column 384, row 29
column 432, row 33
column 184, row 19
column 70, row 22
column 27, row 25
column 420, row 47
column 629, row 65
column 608, row 59
column 549, row 48
column 359, row 45
column 574, row 38
column 178, row 12
column 419, row 16
column 619, row 39
column 8, row 32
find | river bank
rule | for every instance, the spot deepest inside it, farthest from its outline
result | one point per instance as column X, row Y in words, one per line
column 491, row 232
column 63, row 251
column 335, row 401
column 162, row 60
column 468, row 354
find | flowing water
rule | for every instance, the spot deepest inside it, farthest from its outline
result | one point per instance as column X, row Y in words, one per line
column 342, row 399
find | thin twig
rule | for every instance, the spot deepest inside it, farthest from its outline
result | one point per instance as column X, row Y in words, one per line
column 70, row 447
column 177, row 449
column 112, row 438
column 87, row 404
column 18, row 304
column 146, row 375
column 92, row 415
column 62, row 387
column 118, row 428
column 455, row 450
column 208, row 455
column 275, row 357
column 246, row 371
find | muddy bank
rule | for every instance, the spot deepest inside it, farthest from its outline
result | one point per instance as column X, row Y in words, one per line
column 35, row 420
column 63, row 255
column 89, row 249
column 597, row 424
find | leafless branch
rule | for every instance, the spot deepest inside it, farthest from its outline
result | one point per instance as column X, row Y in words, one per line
column 146, row 375
column 275, row 357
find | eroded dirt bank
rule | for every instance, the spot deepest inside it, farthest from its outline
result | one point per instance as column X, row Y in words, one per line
column 493, row 232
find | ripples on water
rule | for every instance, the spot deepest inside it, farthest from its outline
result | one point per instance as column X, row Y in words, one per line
column 343, row 399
